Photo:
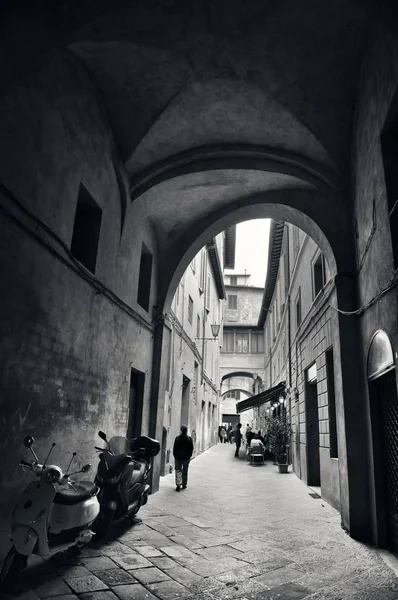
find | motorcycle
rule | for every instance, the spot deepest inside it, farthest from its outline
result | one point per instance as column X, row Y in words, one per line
column 50, row 516
column 123, row 477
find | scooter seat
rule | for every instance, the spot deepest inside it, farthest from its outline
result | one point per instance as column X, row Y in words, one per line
column 68, row 496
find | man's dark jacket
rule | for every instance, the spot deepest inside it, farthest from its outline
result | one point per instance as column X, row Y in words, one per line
column 183, row 447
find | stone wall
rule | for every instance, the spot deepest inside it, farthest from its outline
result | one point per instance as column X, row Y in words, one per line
column 69, row 338
column 378, row 84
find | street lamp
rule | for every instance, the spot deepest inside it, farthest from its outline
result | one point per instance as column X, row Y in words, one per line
column 215, row 328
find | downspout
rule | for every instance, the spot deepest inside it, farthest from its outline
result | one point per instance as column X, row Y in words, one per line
column 204, row 316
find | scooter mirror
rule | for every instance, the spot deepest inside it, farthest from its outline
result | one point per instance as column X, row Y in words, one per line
column 102, row 435
column 28, row 441
column 86, row 468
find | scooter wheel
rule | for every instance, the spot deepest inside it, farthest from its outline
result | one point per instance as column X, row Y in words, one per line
column 13, row 565
column 103, row 523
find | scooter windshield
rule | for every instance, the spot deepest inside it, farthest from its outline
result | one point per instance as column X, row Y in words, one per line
column 119, row 445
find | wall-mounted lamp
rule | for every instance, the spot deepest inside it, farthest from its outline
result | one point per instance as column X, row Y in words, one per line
column 215, row 328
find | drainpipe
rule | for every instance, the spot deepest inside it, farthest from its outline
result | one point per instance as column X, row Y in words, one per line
column 204, row 316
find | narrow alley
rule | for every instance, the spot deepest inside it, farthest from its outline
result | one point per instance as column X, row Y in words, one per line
column 237, row 531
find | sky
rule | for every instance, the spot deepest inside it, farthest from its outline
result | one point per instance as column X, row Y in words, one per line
column 252, row 250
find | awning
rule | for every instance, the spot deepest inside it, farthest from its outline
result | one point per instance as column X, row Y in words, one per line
column 261, row 398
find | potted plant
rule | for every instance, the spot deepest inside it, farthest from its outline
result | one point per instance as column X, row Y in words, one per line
column 279, row 433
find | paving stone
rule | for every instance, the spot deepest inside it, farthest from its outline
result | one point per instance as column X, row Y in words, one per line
column 219, row 552
column 131, row 561
column 182, row 540
column 133, row 592
column 45, row 587
column 86, row 584
column 176, row 551
column 184, row 576
column 249, row 545
column 160, row 528
column 169, row 590
column 198, row 522
column 98, row 563
column 274, row 563
column 114, row 576
column 164, row 563
column 149, row 575
column 68, row 571
column 238, row 575
column 287, row 591
column 278, row 577
column 106, row 595
column 170, row 521
column 115, row 549
column 148, row 551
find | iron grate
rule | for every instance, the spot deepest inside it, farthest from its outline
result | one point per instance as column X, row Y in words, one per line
column 314, row 495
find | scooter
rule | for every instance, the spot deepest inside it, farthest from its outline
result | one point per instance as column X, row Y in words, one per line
column 123, row 476
column 50, row 516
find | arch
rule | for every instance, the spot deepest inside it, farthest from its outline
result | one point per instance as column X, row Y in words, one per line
column 238, row 374
column 237, row 390
column 380, row 355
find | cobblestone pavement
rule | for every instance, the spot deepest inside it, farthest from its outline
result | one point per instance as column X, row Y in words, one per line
column 237, row 531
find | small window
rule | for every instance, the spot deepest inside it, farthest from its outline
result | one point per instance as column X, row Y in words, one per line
column 296, row 243
column 190, row 310
column 193, row 264
column 233, row 280
column 242, row 343
column 198, row 326
column 232, row 301
column 257, row 342
column 318, row 275
column 298, row 309
column 144, row 282
column 86, row 230
column 208, row 294
column 228, row 341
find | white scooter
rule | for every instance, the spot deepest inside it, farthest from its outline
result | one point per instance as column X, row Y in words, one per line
column 51, row 515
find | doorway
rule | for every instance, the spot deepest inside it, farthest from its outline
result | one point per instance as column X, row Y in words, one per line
column 384, row 411
column 312, row 427
column 185, row 400
column 136, row 402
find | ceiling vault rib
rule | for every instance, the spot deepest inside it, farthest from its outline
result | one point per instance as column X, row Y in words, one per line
column 250, row 157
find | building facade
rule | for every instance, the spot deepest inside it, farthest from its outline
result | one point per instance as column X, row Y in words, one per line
column 300, row 348
column 242, row 352
column 193, row 372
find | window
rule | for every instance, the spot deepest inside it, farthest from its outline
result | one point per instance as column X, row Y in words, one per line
column 298, row 309
column 190, row 310
column 258, row 342
column 242, row 343
column 228, row 341
column 86, row 230
column 296, row 243
column 318, row 275
column 198, row 326
column 332, row 404
column 208, row 292
column 232, row 301
column 389, row 148
column 202, row 270
column 193, row 264
column 233, row 280
column 144, row 281
column 233, row 394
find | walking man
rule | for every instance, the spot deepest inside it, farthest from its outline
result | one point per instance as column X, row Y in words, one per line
column 238, row 438
column 182, row 452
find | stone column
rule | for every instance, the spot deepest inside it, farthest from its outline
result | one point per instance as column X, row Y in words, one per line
column 161, row 342
column 351, row 415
